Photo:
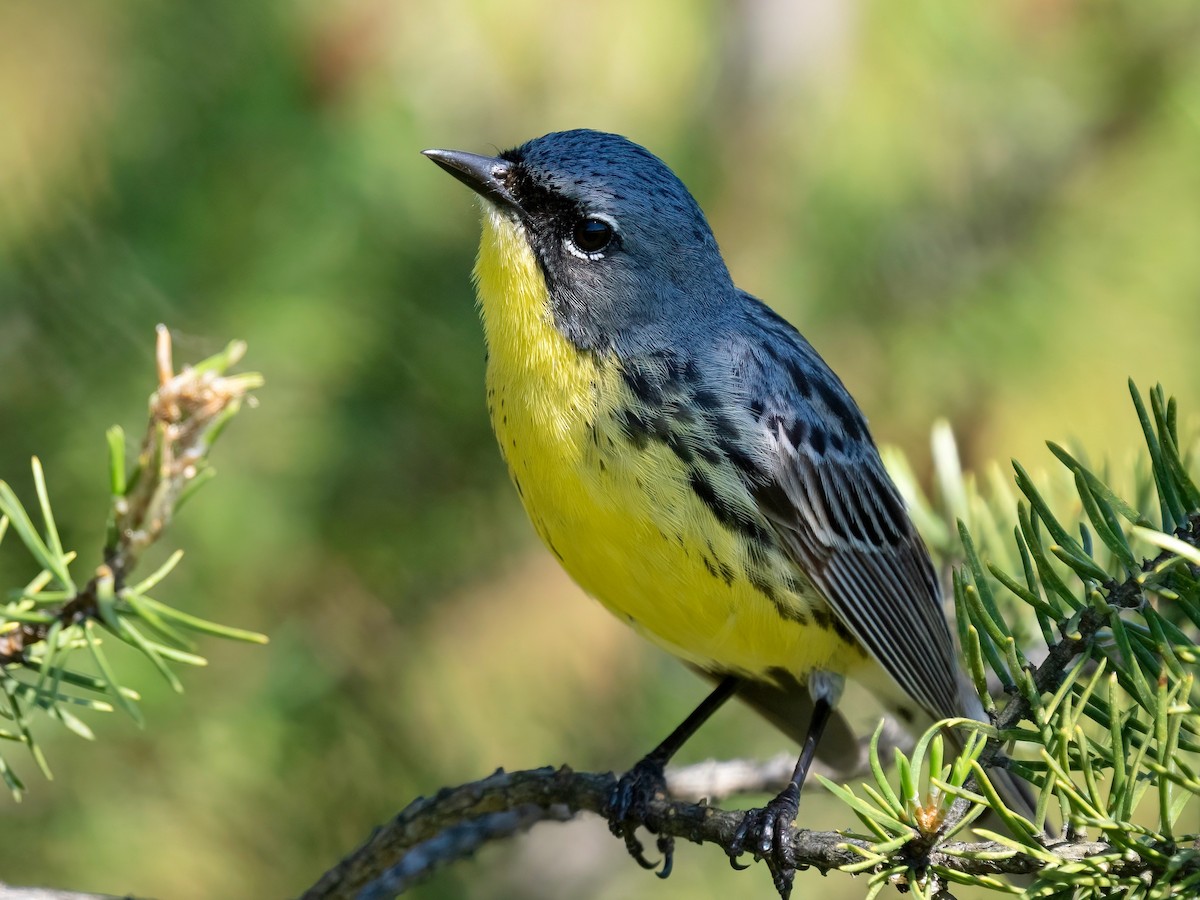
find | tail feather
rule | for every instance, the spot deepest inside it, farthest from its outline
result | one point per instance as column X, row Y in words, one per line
column 788, row 705
column 1013, row 790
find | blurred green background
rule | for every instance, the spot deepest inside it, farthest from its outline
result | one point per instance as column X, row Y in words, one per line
column 989, row 212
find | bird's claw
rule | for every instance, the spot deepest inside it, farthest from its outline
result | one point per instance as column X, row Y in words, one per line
column 626, row 812
column 767, row 834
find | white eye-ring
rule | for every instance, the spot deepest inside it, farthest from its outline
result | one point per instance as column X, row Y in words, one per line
column 591, row 235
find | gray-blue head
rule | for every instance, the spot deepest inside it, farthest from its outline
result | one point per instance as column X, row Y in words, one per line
column 623, row 247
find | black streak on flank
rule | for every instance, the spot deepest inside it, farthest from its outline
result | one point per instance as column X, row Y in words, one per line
column 643, row 387
column 678, row 447
column 732, row 518
column 786, row 611
column 635, row 428
column 729, row 445
column 763, row 586
column 710, row 455
column 707, row 401
column 827, row 620
column 726, row 569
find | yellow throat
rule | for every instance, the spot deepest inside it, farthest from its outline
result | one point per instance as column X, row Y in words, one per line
column 624, row 522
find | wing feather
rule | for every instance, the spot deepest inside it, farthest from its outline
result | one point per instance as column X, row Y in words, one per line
column 844, row 524
column 764, row 400
column 822, row 487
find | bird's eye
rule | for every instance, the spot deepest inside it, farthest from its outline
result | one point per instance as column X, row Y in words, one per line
column 592, row 235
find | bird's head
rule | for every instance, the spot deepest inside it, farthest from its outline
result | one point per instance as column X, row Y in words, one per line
column 620, row 244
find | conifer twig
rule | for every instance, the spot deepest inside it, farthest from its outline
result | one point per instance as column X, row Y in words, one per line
column 49, row 620
column 1127, row 594
column 186, row 413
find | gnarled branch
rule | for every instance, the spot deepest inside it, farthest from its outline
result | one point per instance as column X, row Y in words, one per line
column 434, row 831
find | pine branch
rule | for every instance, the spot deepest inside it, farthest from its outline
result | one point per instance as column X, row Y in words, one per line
column 1134, row 617
column 48, row 620
column 1048, row 676
column 186, row 413
column 388, row 862
column 432, row 832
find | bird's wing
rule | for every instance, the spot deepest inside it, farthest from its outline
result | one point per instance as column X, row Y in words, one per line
column 820, row 482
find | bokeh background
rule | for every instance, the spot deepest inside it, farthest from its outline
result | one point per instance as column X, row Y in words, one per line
column 989, row 212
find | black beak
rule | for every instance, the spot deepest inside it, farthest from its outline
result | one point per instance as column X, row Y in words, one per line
column 486, row 175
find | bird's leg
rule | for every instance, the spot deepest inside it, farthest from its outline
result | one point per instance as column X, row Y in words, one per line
column 767, row 832
column 630, row 797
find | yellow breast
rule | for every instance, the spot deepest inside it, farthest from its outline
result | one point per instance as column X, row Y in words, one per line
column 624, row 521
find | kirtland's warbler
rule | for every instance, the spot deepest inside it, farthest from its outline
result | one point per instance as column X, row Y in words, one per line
column 693, row 463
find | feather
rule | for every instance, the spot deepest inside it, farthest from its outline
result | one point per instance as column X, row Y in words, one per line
column 828, row 500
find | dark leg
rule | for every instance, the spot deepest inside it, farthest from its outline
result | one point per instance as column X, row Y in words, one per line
column 636, row 788
column 767, row 831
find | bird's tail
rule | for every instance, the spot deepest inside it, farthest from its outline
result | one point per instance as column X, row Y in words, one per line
column 1013, row 790
column 788, row 705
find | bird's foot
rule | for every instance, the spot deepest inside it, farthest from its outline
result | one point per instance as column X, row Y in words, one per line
column 627, row 807
column 767, row 833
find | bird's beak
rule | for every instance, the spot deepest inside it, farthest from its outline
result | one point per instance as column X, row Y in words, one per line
column 486, row 175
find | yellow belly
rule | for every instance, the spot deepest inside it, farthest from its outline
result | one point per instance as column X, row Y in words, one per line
column 624, row 521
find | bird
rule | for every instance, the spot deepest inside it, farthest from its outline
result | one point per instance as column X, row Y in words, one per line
column 695, row 465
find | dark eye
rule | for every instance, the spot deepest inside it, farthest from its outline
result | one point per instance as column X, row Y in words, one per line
column 592, row 235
